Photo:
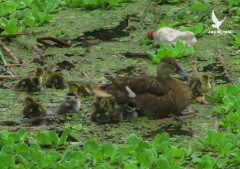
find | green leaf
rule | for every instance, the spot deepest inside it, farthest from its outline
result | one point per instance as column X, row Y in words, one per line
column 146, row 157
column 63, row 137
column 160, row 139
column 6, row 160
column 8, row 149
column 10, row 26
column 206, row 162
column 178, row 152
column 91, row 146
column 162, row 163
column 108, row 149
column 22, row 133
column 7, row 8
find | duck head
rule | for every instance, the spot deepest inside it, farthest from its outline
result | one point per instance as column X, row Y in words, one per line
column 169, row 66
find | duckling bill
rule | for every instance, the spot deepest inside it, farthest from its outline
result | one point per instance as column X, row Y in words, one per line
column 156, row 96
column 70, row 105
column 32, row 109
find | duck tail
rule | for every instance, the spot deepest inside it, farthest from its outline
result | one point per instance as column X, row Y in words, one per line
column 100, row 90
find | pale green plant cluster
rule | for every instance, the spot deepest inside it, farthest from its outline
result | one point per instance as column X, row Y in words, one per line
column 178, row 51
column 23, row 150
column 17, row 14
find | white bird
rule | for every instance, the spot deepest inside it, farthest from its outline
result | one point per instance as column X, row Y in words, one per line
column 216, row 22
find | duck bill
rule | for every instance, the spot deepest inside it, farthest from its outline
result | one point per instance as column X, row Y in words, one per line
column 180, row 71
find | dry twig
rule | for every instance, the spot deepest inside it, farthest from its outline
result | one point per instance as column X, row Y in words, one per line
column 9, row 52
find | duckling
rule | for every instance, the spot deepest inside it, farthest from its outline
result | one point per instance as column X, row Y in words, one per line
column 31, row 83
column 32, row 109
column 156, row 96
column 81, row 89
column 106, row 110
column 200, row 85
column 55, row 80
column 102, row 109
column 70, row 105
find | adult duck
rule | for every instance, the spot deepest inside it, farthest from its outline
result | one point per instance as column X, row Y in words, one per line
column 156, row 96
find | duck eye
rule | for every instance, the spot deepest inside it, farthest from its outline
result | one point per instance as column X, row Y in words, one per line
column 170, row 63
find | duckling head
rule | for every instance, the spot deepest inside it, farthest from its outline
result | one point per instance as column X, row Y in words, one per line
column 28, row 100
column 71, row 96
column 73, row 88
column 48, row 73
column 205, row 85
column 204, row 79
column 168, row 66
column 39, row 72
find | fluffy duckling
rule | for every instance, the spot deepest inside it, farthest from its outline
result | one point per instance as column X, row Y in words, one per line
column 200, row 85
column 70, row 105
column 31, row 83
column 32, row 109
column 55, row 80
column 106, row 110
column 81, row 89
column 155, row 96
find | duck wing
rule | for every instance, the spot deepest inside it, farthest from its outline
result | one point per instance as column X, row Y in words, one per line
column 138, row 84
column 154, row 106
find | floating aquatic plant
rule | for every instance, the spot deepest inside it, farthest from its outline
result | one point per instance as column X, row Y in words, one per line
column 180, row 50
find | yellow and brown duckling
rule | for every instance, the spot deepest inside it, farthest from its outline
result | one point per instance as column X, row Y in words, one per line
column 70, row 105
column 55, row 80
column 200, row 85
column 31, row 84
column 106, row 110
column 156, row 96
column 81, row 89
column 32, row 109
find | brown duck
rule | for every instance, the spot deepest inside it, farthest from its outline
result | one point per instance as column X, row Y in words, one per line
column 156, row 96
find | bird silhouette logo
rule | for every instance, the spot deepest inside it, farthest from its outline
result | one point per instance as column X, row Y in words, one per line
column 216, row 22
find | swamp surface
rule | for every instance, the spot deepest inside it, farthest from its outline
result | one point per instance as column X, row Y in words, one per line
column 118, row 30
